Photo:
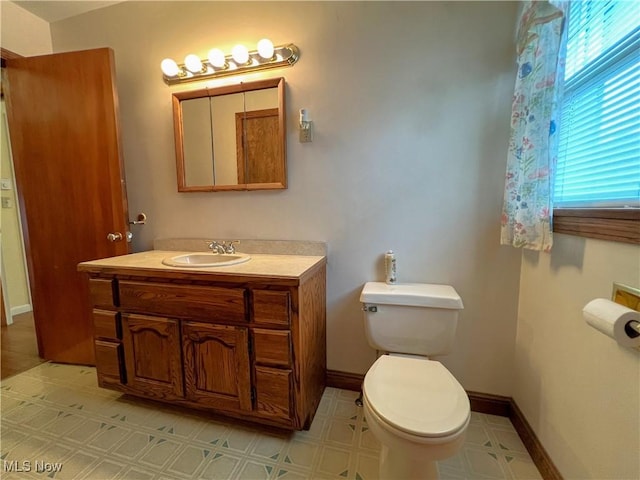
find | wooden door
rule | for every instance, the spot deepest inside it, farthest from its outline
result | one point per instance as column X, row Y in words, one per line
column 259, row 154
column 63, row 111
column 216, row 365
column 152, row 355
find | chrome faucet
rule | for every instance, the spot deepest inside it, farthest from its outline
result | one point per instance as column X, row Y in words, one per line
column 216, row 247
column 223, row 247
column 231, row 249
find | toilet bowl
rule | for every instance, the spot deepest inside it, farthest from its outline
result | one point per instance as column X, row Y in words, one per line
column 418, row 412
column 413, row 405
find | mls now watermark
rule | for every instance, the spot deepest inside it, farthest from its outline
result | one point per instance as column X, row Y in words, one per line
column 37, row 466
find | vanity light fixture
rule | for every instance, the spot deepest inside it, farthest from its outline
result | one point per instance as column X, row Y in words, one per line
column 240, row 55
column 193, row 63
column 265, row 49
column 240, row 61
column 216, row 58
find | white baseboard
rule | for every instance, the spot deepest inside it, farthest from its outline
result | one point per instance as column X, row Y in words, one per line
column 20, row 309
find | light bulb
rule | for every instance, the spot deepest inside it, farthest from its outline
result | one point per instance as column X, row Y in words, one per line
column 169, row 67
column 193, row 63
column 265, row 48
column 240, row 54
column 216, row 58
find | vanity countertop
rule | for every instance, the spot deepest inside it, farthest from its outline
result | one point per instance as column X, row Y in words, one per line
column 260, row 265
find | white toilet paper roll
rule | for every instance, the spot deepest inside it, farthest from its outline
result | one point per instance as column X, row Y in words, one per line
column 611, row 319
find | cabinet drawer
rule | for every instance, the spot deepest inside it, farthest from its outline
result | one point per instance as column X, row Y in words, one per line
column 271, row 307
column 103, row 293
column 106, row 324
column 272, row 347
column 273, row 388
column 185, row 301
column 109, row 359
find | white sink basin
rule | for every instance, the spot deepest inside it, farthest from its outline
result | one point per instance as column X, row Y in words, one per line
column 201, row 260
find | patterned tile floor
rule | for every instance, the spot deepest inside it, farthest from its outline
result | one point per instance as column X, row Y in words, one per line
column 56, row 423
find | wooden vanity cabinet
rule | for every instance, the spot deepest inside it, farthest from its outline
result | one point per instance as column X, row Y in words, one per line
column 246, row 347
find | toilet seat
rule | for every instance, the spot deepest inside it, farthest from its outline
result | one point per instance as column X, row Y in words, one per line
column 417, row 396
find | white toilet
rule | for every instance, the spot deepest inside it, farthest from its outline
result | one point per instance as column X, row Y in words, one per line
column 413, row 406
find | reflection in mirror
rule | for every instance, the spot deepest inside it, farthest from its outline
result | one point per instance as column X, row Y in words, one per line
column 255, row 132
column 197, row 141
column 231, row 138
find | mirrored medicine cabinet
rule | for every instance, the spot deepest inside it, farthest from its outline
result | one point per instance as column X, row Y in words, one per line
column 231, row 137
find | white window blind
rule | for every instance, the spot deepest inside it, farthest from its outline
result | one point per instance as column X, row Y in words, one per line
column 599, row 136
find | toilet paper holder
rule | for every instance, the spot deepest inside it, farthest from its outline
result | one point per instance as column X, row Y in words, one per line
column 632, row 328
column 628, row 297
column 618, row 318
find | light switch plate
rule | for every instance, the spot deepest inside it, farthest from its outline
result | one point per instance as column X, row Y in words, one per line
column 5, row 184
column 306, row 134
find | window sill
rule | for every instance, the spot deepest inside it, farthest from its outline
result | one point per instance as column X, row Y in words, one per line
column 613, row 224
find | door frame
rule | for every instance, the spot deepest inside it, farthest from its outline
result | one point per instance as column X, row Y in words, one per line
column 6, row 315
column 9, row 309
column 28, row 307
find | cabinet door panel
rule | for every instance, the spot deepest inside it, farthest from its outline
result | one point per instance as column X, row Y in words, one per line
column 216, row 365
column 273, row 387
column 152, row 355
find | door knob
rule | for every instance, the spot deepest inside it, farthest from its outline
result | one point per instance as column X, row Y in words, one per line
column 114, row 237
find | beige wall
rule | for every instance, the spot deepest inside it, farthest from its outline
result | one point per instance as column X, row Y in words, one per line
column 22, row 32
column 578, row 388
column 410, row 104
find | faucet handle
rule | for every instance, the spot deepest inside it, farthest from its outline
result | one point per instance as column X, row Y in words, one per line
column 230, row 248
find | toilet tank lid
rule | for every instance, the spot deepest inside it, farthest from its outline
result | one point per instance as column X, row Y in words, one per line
column 411, row 294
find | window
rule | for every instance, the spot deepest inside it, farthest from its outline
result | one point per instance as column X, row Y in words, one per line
column 599, row 138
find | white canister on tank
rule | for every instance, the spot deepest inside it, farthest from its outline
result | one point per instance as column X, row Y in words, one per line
column 390, row 267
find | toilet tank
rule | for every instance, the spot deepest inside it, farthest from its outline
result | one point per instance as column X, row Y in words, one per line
column 412, row 318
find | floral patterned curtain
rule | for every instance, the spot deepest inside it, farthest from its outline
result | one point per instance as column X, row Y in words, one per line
column 528, row 197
